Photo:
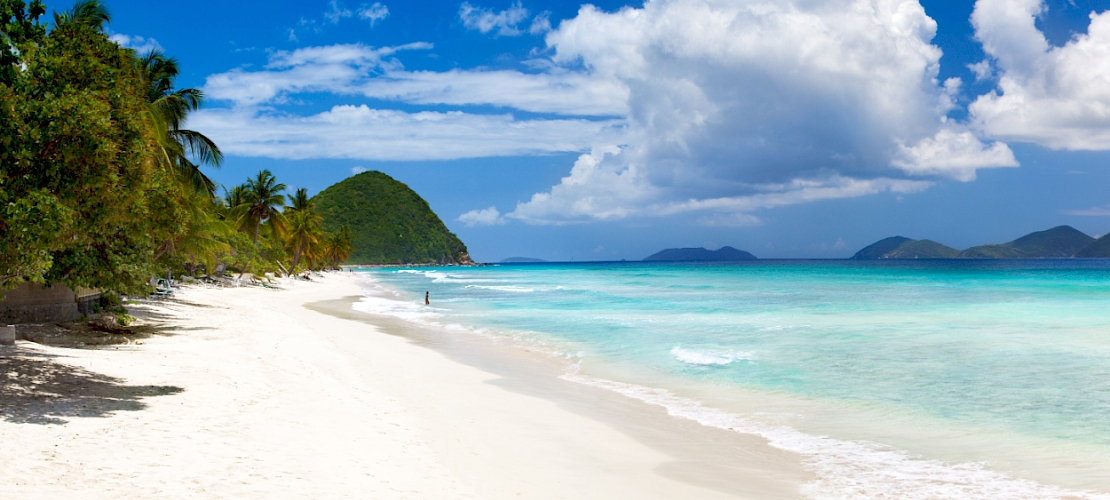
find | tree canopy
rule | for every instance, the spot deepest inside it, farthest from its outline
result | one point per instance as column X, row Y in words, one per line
column 100, row 181
column 78, row 182
column 390, row 223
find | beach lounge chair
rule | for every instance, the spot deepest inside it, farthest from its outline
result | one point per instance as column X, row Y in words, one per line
column 161, row 288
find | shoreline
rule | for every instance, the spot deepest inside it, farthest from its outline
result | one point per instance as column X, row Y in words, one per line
column 702, row 456
column 245, row 393
column 887, row 458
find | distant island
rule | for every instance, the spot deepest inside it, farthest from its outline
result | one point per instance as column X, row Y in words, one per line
column 521, row 260
column 390, row 223
column 723, row 254
column 1056, row 243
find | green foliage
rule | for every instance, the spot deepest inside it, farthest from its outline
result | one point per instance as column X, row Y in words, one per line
column 168, row 108
column 89, row 13
column 389, row 222
column 304, row 234
column 19, row 29
column 259, row 206
column 77, row 167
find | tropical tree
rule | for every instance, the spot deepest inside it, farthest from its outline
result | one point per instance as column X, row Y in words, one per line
column 301, row 201
column 303, row 235
column 82, row 200
column 234, row 197
column 204, row 238
column 262, row 198
column 169, row 109
column 89, row 13
column 338, row 246
column 19, row 26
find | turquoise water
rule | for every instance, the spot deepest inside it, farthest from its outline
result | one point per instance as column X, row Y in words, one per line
column 997, row 369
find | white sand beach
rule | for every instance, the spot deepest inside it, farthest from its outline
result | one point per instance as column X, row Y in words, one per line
column 258, row 393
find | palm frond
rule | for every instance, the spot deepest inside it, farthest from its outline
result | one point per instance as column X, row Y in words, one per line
column 199, row 146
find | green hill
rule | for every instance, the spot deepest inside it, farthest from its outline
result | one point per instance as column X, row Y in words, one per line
column 1099, row 248
column 898, row 247
column 1058, row 242
column 391, row 224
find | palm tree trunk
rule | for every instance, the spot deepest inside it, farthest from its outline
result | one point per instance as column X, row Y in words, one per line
column 296, row 257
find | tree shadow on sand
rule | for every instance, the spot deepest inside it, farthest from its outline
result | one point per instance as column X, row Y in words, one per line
column 35, row 389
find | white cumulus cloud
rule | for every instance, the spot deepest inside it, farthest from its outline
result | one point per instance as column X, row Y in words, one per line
column 747, row 104
column 1058, row 97
column 953, row 153
column 485, row 217
column 716, row 107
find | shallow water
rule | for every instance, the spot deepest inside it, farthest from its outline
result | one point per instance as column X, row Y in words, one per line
column 915, row 379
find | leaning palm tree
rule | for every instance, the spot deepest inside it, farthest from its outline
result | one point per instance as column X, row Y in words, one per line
column 262, row 199
column 303, row 235
column 168, row 108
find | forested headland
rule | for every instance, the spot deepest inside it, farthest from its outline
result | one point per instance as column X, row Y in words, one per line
column 100, row 179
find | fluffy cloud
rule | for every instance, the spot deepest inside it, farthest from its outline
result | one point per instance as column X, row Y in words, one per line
column 1057, row 97
column 741, row 105
column 375, row 73
column 541, row 24
column 373, row 13
column 484, row 20
column 137, row 43
column 953, row 153
column 359, row 132
column 485, row 217
column 598, row 189
column 714, row 107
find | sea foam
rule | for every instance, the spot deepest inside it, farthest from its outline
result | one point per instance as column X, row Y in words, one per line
column 854, row 469
column 695, row 357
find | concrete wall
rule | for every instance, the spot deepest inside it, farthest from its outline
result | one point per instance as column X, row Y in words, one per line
column 34, row 303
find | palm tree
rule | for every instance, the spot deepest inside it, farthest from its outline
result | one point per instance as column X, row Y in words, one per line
column 338, row 246
column 300, row 200
column 303, row 234
column 235, row 197
column 261, row 200
column 168, row 109
column 89, row 13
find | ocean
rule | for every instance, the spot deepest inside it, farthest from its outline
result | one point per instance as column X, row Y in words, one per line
column 904, row 379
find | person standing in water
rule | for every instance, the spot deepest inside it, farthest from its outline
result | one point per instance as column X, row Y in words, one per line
column 426, row 301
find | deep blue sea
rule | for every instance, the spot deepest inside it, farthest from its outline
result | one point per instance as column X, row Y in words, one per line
column 910, row 379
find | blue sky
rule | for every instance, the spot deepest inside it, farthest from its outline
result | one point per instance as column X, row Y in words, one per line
column 562, row 131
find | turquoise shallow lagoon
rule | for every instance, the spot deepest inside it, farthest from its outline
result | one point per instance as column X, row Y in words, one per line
column 916, row 379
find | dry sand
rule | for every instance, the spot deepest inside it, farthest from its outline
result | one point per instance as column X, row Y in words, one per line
column 257, row 393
